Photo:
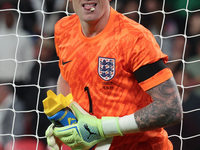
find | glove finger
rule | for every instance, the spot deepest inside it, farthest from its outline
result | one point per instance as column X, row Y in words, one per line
column 49, row 131
column 51, row 141
column 64, row 131
column 78, row 110
column 79, row 147
column 71, row 140
column 56, row 147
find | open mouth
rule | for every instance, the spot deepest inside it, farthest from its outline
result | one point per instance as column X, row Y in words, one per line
column 89, row 6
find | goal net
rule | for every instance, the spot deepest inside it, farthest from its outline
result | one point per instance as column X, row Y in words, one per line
column 29, row 64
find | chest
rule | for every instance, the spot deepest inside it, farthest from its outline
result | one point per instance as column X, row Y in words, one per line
column 102, row 57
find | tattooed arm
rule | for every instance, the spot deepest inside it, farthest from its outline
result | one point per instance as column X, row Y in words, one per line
column 165, row 110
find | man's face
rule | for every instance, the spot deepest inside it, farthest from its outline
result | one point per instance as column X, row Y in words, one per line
column 83, row 9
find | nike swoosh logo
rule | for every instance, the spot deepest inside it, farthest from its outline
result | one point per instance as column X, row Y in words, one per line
column 66, row 62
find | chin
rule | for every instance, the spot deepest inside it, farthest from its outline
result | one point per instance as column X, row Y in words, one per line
column 90, row 19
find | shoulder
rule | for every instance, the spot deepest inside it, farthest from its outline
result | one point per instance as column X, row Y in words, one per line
column 131, row 27
column 66, row 23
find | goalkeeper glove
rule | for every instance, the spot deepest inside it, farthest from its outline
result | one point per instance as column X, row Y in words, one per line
column 52, row 141
column 88, row 131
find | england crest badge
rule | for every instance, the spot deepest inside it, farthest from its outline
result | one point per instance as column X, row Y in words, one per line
column 106, row 68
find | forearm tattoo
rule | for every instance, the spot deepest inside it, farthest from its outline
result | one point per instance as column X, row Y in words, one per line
column 165, row 109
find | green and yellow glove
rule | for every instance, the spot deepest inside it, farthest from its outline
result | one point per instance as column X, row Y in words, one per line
column 53, row 141
column 88, row 131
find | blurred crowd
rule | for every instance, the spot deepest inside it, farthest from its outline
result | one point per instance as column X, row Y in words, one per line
column 29, row 64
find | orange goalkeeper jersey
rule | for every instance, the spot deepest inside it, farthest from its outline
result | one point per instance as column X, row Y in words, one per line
column 100, row 70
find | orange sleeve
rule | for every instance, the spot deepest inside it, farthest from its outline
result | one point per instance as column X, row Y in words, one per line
column 155, row 80
column 141, row 48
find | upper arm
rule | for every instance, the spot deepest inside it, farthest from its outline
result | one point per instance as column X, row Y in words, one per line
column 166, row 107
column 165, row 110
column 167, row 94
column 62, row 86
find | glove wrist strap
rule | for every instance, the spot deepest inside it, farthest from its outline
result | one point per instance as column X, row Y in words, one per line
column 128, row 124
column 110, row 126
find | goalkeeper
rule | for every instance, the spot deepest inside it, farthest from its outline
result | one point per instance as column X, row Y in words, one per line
column 117, row 75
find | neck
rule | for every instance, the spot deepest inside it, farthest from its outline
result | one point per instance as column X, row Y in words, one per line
column 92, row 28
